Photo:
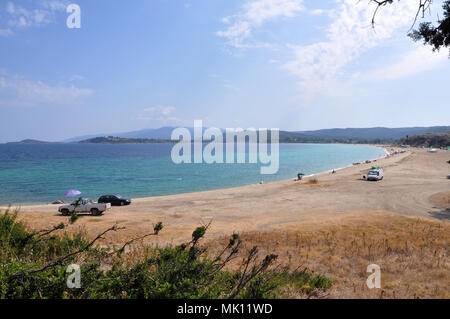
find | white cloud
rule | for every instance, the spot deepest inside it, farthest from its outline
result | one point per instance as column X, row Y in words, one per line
column 76, row 77
column 18, row 91
column 161, row 115
column 20, row 17
column 317, row 11
column 253, row 15
column 348, row 36
column 418, row 60
column 160, row 110
column 55, row 5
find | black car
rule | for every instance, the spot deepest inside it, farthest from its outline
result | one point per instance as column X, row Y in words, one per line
column 115, row 200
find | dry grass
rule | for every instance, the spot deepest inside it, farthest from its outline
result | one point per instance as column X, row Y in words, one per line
column 412, row 253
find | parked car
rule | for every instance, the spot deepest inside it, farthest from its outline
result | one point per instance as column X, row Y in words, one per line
column 114, row 200
column 375, row 174
column 84, row 206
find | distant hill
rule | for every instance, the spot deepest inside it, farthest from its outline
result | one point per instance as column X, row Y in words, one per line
column 375, row 133
column 30, row 141
column 300, row 137
column 163, row 133
column 427, row 140
column 120, row 140
column 337, row 135
column 284, row 137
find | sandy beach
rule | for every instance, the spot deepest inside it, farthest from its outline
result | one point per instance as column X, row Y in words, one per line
column 415, row 184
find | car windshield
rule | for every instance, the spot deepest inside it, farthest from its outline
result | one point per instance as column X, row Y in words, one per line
column 373, row 173
column 119, row 196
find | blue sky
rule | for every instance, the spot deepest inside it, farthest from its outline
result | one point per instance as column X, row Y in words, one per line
column 288, row 64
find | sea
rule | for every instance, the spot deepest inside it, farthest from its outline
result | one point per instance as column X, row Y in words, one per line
column 42, row 173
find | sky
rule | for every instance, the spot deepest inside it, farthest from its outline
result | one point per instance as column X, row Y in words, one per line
column 288, row 64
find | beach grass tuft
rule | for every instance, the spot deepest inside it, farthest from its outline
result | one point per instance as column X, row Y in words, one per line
column 412, row 253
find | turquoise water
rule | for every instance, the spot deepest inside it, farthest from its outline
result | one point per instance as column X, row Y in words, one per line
column 31, row 174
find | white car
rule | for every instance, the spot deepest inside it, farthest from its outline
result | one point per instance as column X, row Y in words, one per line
column 84, row 206
column 375, row 174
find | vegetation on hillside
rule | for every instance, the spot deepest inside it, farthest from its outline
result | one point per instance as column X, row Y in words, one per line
column 294, row 137
column 284, row 137
column 373, row 135
column 33, row 264
column 121, row 140
column 427, row 140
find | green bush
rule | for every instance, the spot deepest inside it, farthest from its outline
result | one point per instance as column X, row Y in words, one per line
column 33, row 265
column 13, row 234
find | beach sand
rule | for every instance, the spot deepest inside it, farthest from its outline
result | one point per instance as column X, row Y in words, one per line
column 415, row 184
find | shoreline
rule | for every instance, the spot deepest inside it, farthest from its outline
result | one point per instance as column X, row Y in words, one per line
column 383, row 147
column 415, row 184
column 386, row 153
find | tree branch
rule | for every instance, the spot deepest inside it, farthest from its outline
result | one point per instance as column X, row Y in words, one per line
column 61, row 259
column 423, row 6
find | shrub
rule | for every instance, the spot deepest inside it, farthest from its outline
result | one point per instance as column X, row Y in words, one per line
column 33, row 265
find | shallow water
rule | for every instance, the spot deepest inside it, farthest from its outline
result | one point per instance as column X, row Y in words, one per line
column 42, row 173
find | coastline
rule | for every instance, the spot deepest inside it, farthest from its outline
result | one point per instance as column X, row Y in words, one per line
column 411, row 179
column 383, row 147
column 317, row 225
column 386, row 153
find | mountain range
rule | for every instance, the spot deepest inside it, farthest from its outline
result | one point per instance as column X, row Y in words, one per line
column 344, row 135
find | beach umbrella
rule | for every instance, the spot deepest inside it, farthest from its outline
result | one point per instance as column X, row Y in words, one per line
column 72, row 193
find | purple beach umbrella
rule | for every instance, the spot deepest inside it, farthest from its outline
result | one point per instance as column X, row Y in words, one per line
column 72, row 193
